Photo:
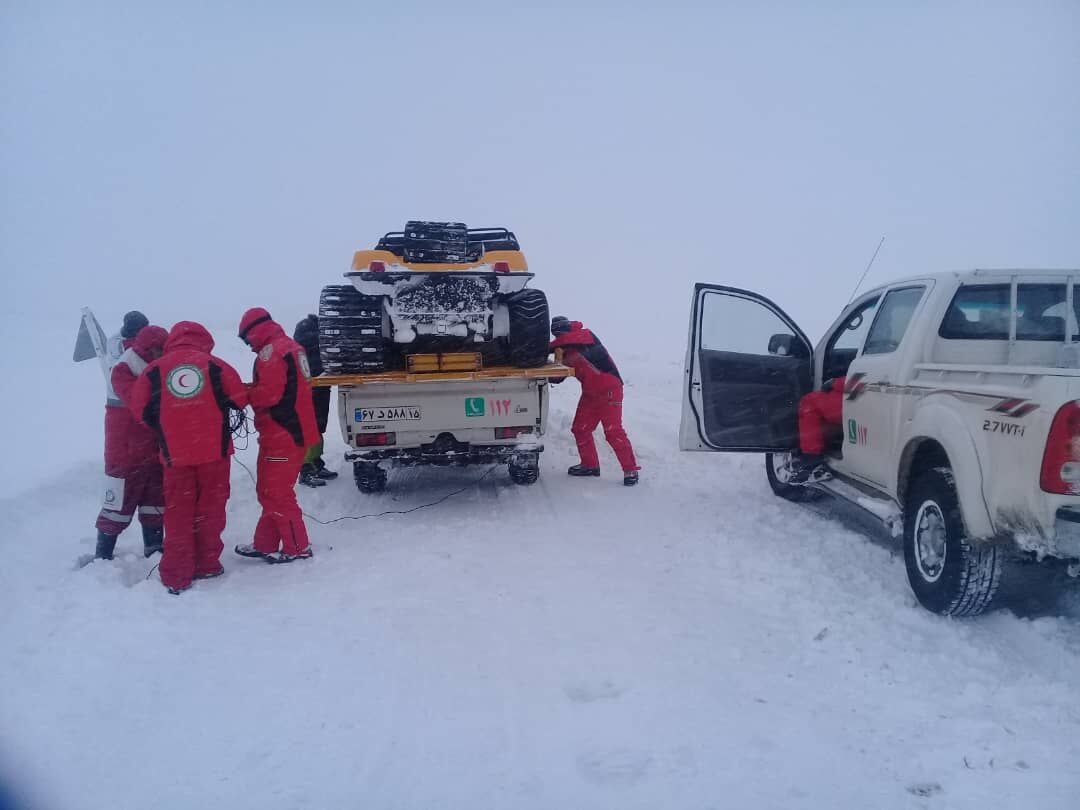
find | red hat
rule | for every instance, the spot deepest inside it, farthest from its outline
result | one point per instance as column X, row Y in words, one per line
column 150, row 341
column 252, row 318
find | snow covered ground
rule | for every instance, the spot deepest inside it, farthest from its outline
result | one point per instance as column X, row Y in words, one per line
column 691, row 643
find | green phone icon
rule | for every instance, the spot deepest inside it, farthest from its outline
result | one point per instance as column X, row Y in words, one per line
column 474, row 406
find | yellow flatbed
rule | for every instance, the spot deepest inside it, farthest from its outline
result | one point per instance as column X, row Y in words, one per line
column 557, row 370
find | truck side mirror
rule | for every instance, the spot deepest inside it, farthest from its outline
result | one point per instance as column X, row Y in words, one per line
column 782, row 345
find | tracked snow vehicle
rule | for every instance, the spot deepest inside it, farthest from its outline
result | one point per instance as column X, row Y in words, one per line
column 435, row 287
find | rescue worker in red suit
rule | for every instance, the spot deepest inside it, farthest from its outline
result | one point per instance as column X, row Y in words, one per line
column 186, row 397
column 820, row 414
column 601, row 398
column 131, row 453
column 280, row 395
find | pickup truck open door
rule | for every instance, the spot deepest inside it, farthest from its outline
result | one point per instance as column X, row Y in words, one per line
column 747, row 366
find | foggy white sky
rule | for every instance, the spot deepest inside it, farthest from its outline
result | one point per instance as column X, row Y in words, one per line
column 192, row 163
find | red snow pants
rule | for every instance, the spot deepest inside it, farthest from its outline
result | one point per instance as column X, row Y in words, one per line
column 143, row 490
column 281, row 525
column 195, row 498
column 602, row 407
column 819, row 412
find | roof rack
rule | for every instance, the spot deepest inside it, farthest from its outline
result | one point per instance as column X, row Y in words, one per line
column 478, row 241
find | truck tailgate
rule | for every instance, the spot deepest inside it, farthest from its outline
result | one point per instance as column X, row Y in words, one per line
column 469, row 405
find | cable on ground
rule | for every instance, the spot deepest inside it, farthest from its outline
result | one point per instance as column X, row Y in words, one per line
column 241, row 430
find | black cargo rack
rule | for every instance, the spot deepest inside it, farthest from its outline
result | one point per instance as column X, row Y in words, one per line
column 434, row 242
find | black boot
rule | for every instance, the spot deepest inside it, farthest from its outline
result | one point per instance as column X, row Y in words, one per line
column 808, row 469
column 106, row 544
column 309, row 476
column 153, row 539
column 581, row 471
column 630, row 478
column 323, row 473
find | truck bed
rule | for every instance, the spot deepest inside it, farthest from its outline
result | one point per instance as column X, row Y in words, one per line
column 497, row 372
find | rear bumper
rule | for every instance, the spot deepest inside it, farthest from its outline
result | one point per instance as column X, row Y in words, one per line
column 459, row 455
column 1067, row 532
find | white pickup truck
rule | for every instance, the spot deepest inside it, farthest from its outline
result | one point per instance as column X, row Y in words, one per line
column 961, row 414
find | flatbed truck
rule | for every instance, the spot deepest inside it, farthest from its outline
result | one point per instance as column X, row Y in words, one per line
column 445, row 410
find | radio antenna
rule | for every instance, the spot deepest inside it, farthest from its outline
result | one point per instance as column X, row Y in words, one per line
column 870, row 264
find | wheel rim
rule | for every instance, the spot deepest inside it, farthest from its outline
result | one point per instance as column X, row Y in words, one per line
column 931, row 537
column 781, row 467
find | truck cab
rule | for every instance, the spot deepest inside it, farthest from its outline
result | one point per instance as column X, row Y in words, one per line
column 955, row 383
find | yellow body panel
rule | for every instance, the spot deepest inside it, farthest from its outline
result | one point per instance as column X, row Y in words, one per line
column 514, row 258
column 550, row 370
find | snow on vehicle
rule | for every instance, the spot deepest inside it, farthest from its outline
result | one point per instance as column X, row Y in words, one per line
column 434, row 287
column 442, row 415
column 961, row 414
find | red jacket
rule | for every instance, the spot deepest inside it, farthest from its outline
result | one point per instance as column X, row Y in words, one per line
column 280, row 391
column 129, row 444
column 185, row 398
column 592, row 364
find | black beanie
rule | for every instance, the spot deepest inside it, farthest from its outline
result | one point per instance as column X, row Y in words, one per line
column 134, row 321
column 560, row 324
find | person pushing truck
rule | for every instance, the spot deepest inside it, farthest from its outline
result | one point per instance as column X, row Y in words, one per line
column 601, row 399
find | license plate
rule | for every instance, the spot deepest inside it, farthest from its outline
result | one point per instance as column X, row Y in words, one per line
column 391, row 413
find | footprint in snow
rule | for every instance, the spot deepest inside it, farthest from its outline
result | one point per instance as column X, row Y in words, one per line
column 592, row 691
column 925, row 789
column 617, row 767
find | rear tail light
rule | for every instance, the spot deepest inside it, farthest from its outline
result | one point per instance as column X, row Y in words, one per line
column 375, row 439
column 1061, row 460
column 377, row 267
column 511, row 432
column 501, row 267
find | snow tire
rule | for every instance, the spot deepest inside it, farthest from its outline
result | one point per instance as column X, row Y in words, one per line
column 526, row 472
column 950, row 574
column 530, row 325
column 351, row 338
column 370, row 478
column 786, row 491
column 345, row 301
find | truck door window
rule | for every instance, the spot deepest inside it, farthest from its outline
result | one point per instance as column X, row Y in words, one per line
column 892, row 320
column 978, row 312
column 844, row 345
column 741, row 326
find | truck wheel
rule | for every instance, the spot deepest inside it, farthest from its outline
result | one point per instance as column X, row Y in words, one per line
column 351, row 331
column 525, row 472
column 530, row 325
column 949, row 574
column 777, row 469
column 370, row 478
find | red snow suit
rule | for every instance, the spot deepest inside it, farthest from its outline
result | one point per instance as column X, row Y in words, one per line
column 185, row 397
column 280, row 395
column 819, row 413
column 131, row 451
column 601, row 396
